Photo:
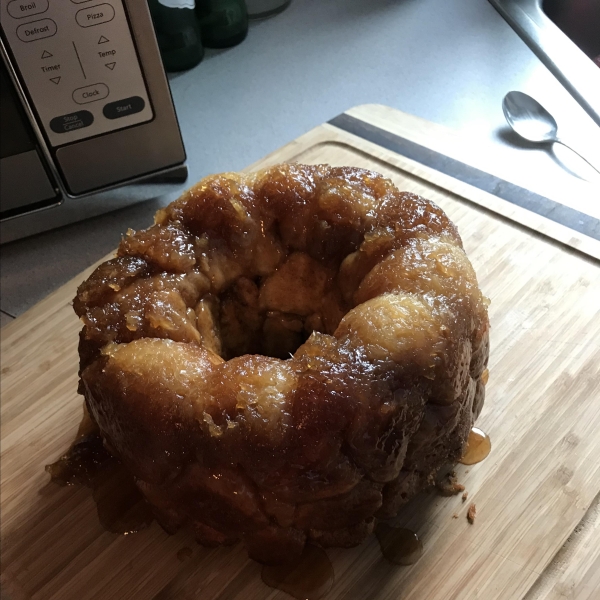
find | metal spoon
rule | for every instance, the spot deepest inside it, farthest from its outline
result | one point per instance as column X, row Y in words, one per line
column 533, row 122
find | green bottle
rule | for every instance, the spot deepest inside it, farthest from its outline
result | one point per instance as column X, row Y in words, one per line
column 178, row 33
column 261, row 9
column 223, row 23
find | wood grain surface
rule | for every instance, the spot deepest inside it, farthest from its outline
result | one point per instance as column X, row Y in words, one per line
column 537, row 532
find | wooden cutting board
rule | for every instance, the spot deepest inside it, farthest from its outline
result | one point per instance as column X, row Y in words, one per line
column 537, row 532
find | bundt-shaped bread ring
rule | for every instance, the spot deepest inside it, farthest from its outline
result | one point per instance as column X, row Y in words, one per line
column 285, row 356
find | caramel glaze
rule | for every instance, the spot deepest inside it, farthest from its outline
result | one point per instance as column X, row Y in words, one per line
column 120, row 505
column 309, row 578
column 478, row 447
column 400, row 546
column 184, row 553
column 185, row 355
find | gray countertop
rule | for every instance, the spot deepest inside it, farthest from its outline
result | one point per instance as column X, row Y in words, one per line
column 448, row 61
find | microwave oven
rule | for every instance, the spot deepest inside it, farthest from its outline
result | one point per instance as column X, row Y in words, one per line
column 86, row 117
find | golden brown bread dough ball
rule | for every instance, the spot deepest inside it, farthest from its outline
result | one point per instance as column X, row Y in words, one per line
column 285, row 356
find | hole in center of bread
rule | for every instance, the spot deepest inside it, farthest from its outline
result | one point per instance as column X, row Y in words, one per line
column 275, row 314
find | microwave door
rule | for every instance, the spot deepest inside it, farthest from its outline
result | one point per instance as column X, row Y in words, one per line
column 25, row 184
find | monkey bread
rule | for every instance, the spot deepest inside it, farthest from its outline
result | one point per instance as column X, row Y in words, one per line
column 285, row 356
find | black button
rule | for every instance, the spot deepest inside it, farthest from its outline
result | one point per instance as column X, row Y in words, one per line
column 72, row 121
column 122, row 108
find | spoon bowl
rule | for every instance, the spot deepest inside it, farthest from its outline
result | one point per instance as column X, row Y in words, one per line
column 529, row 119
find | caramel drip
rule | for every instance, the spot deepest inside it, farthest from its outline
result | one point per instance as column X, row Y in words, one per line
column 184, row 553
column 478, row 447
column 400, row 546
column 120, row 505
column 310, row 578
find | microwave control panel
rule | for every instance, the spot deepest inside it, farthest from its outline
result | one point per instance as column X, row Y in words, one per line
column 79, row 65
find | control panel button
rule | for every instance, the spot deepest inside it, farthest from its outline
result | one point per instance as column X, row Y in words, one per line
column 68, row 65
column 76, row 120
column 36, row 30
column 122, row 108
column 90, row 93
column 106, row 53
column 18, row 9
column 95, row 15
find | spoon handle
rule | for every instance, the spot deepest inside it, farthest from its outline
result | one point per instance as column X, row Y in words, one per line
column 559, row 141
